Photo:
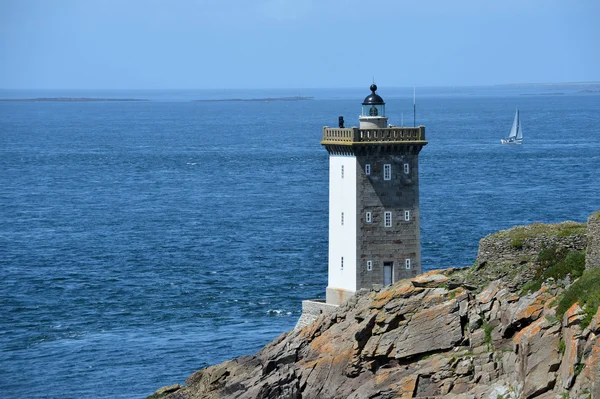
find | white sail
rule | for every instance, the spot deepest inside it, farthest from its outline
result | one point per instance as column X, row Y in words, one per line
column 513, row 129
column 519, row 131
column 516, row 132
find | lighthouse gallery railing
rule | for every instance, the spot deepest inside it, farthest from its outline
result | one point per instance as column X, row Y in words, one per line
column 354, row 135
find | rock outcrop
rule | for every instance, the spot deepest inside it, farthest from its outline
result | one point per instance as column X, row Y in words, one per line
column 455, row 333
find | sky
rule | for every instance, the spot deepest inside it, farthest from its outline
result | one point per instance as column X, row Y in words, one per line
column 245, row 44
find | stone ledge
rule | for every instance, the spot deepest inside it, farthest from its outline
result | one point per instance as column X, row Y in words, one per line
column 312, row 309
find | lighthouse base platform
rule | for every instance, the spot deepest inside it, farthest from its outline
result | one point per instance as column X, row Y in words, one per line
column 312, row 309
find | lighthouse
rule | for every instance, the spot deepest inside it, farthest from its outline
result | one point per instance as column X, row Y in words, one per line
column 374, row 230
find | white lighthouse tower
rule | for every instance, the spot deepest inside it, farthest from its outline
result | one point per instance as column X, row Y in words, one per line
column 374, row 231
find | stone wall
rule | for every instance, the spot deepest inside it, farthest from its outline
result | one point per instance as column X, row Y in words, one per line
column 312, row 309
column 592, row 256
column 380, row 244
column 504, row 249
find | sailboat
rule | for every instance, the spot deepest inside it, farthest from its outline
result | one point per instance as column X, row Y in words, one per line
column 516, row 132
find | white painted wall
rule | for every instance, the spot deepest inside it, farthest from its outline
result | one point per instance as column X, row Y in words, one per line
column 342, row 239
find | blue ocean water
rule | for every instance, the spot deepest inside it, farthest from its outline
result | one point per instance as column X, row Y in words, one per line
column 141, row 241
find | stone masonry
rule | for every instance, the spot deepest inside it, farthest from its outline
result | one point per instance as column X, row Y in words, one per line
column 375, row 195
column 312, row 309
column 592, row 256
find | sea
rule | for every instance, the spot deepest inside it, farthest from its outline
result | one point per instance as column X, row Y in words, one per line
column 141, row 241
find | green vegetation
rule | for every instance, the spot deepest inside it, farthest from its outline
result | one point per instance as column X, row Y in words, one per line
column 557, row 264
column 519, row 234
column 516, row 243
column 531, row 286
column 487, row 329
column 585, row 291
column 561, row 347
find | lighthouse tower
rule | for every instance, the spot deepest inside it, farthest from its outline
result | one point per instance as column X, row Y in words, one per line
column 374, row 236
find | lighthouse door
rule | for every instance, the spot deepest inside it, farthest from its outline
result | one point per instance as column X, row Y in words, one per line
column 388, row 273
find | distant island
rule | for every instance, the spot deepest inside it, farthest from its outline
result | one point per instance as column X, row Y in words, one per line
column 542, row 94
column 69, row 99
column 267, row 99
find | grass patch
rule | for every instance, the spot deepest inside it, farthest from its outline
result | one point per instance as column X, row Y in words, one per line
column 557, row 264
column 487, row 329
column 561, row 347
column 532, row 286
column 585, row 291
column 516, row 243
column 572, row 262
column 522, row 233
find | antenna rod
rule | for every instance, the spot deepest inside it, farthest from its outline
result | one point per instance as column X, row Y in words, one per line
column 414, row 107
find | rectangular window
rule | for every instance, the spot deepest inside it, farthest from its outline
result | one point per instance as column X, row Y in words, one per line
column 342, row 263
column 406, row 168
column 388, row 219
column 342, row 218
column 342, row 171
column 368, row 169
column 407, row 216
column 387, row 171
column 368, row 217
column 369, row 265
column 407, row 263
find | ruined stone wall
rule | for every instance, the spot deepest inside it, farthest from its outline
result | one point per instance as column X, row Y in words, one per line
column 505, row 250
column 592, row 255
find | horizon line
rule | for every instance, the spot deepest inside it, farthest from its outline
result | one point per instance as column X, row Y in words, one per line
column 318, row 88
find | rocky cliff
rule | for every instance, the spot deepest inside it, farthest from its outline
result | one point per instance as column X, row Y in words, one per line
column 522, row 322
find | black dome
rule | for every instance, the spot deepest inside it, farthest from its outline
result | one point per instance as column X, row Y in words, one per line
column 373, row 98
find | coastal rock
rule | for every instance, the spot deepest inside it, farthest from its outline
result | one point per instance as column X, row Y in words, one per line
column 458, row 333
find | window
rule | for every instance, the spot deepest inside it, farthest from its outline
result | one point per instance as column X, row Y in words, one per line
column 406, row 168
column 388, row 219
column 368, row 217
column 407, row 263
column 342, row 218
column 368, row 169
column 407, row 216
column 342, row 263
column 342, row 171
column 387, row 171
column 369, row 265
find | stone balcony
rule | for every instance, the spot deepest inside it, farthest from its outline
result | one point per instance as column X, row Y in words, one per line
column 354, row 140
column 354, row 135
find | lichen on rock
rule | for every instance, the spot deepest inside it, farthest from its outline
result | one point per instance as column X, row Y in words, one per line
column 455, row 333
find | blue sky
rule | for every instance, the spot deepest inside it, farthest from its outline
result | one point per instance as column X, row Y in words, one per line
column 200, row 44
